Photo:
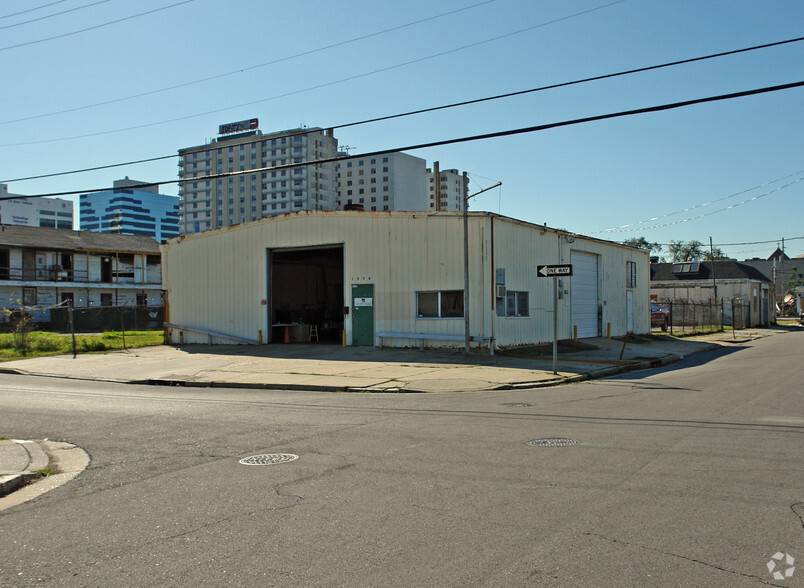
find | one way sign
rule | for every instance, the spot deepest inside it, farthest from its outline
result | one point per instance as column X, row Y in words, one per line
column 549, row 271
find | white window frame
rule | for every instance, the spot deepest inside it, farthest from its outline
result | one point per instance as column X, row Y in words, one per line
column 439, row 304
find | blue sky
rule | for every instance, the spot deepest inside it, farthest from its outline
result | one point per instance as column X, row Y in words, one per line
column 584, row 178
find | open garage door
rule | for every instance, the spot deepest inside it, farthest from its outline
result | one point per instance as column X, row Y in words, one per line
column 306, row 295
column 584, row 293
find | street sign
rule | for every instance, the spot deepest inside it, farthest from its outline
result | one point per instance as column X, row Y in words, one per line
column 550, row 271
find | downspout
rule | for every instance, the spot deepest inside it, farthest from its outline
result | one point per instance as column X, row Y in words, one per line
column 492, row 274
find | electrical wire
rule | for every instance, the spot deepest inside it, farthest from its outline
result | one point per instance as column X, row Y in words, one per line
column 315, row 87
column 32, row 9
column 700, row 216
column 631, row 226
column 249, row 68
column 485, row 136
column 92, row 28
column 52, row 15
column 436, row 108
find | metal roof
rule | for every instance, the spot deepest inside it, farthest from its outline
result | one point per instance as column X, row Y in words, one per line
column 67, row 240
column 724, row 270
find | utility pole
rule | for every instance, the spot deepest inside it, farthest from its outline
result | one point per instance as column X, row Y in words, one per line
column 712, row 256
column 467, row 334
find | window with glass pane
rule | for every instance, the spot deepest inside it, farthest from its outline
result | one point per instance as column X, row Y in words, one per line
column 427, row 304
column 452, row 304
column 510, row 303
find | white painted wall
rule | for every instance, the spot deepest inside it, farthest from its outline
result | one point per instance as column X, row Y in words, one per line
column 216, row 280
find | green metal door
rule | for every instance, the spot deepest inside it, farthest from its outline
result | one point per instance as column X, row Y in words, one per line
column 362, row 314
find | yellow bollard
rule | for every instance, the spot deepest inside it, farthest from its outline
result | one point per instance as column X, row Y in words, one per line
column 343, row 338
column 608, row 330
column 575, row 332
column 260, row 337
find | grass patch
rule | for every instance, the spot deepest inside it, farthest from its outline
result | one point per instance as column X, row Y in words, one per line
column 43, row 343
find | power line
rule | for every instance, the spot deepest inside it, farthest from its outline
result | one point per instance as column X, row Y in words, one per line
column 251, row 67
column 98, row 26
column 32, row 9
column 315, row 87
column 443, row 107
column 52, row 15
column 494, row 135
column 685, row 220
column 635, row 226
column 786, row 239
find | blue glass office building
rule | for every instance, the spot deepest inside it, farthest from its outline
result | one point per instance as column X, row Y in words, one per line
column 130, row 209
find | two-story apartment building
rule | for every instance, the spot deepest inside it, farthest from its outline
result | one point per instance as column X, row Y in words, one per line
column 43, row 267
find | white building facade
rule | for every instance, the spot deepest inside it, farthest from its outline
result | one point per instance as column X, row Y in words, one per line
column 35, row 212
column 453, row 188
column 212, row 203
column 396, row 278
column 395, row 181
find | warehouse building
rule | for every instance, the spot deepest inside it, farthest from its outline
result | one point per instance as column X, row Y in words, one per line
column 397, row 279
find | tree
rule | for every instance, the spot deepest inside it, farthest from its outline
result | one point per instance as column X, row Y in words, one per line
column 715, row 253
column 642, row 243
column 685, row 251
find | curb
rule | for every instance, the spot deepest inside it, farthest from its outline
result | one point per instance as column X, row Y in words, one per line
column 594, row 374
column 37, row 460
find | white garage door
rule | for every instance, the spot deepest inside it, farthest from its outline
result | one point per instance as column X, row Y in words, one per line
column 584, row 293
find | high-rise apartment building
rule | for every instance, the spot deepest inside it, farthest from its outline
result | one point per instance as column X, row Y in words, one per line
column 218, row 202
column 130, row 208
column 394, row 181
column 35, row 212
column 397, row 181
column 454, row 189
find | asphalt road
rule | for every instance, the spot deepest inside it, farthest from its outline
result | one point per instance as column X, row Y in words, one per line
column 687, row 475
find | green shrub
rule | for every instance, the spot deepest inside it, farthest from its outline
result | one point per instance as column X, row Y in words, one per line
column 47, row 344
column 92, row 345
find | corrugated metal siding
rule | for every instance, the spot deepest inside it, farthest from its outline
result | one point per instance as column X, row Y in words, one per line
column 519, row 248
column 216, row 280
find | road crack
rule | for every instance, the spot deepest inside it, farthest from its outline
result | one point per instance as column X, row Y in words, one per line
column 684, row 557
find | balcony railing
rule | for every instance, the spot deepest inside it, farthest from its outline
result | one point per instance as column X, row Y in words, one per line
column 18, row 274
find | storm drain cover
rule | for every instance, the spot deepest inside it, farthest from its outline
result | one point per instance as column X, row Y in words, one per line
column 269, row 459
column 552, row 442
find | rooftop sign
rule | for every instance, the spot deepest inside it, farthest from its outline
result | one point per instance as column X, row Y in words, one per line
column 236, row 127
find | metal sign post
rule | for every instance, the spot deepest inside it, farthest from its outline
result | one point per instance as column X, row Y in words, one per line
column 555, row 325
column 554, row 271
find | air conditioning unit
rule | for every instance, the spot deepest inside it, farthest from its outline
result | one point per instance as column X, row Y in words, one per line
column 500, row 291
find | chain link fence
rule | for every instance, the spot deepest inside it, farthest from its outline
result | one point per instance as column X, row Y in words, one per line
column 108, row 318
column 684, row 317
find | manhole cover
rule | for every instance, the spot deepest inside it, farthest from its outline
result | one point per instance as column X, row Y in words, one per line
column 269, row 459
column 517, row 404
column 552, row 442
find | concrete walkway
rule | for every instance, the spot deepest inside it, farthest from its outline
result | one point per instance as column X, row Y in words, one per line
column 327, row 367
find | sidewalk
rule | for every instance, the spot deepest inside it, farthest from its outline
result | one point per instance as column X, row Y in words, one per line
column 19, row 461
column 332, row 368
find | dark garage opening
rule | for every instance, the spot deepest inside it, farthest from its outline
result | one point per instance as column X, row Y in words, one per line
column 306, row 295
